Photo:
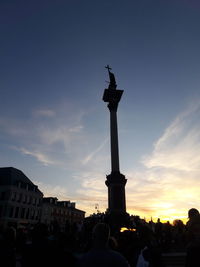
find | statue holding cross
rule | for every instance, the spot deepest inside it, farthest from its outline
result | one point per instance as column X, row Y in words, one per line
column 112, row 84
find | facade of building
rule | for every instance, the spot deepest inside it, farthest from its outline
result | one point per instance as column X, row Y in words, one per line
column 22, row 203
column 20, row 199
column 60, row 213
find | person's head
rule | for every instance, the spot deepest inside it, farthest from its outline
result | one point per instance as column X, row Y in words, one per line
column 101, row 233
column 193, row 213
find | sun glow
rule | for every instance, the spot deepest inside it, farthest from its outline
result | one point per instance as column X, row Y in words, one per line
column 127, row 229
column 164, row 215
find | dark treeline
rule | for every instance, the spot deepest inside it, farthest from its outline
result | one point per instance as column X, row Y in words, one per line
column 93, row 240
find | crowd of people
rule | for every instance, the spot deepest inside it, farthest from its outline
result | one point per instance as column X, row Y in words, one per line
column 96, row 243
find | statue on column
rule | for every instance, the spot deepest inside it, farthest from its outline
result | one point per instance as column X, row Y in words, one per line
column 112, row 84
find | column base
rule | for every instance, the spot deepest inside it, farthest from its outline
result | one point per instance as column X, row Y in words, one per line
column 116, row 214
column 117, row 220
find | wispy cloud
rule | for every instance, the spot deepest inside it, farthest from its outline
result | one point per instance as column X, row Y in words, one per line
column 64, row 134
column 41, row 157
column 168, row 184
column 12, row 127
column 92, row 190
column 44, row 113
column 52, row 141
column 93, row 153
column 53, row 191
column 179, row 146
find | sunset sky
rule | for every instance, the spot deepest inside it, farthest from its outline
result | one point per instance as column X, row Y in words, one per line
column 54, row 125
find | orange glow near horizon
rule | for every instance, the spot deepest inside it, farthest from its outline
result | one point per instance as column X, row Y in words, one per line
column 165, row 210
column 164, row 215
column 127, row 229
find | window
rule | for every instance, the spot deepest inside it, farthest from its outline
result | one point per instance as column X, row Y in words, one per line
column 18, row 197
column 38, row 202
column 23, row 213
column 30, row 200
column 13, row 197
column 27, row 213
column 32, row 214
column 36, row 215
column 24, row 198
column 2, row 195
column 16, row 212
column 11, row 212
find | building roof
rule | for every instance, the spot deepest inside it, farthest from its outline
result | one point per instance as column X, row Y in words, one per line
column 12, row 176
column 50, row 200
column 65, row 204
column 82, row 211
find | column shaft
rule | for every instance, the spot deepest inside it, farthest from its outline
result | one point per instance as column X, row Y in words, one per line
column 114, row 141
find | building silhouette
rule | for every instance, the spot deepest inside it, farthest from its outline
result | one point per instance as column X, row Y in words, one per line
column 20, row 199
column 60, row 213
column 22, row 203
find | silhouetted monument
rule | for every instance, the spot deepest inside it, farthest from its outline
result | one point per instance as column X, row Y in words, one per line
column 115, row 181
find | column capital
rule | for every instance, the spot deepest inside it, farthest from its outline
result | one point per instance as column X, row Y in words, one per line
column 115, row 178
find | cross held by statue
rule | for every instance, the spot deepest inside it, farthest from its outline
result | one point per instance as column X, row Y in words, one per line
column 108, row 67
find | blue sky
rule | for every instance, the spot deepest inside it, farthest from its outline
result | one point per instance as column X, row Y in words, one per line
column 54, row 125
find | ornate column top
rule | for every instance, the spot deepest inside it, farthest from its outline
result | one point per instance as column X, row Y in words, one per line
column 112, row 95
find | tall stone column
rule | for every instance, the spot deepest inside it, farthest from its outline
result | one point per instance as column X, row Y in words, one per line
column 115, row 180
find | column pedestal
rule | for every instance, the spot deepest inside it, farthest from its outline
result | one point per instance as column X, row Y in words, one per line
column 116, row 213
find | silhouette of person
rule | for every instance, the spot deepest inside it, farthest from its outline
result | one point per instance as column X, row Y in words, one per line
column 7, row 247
column 193, row 238
column 101, row 255
column 193, row 215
